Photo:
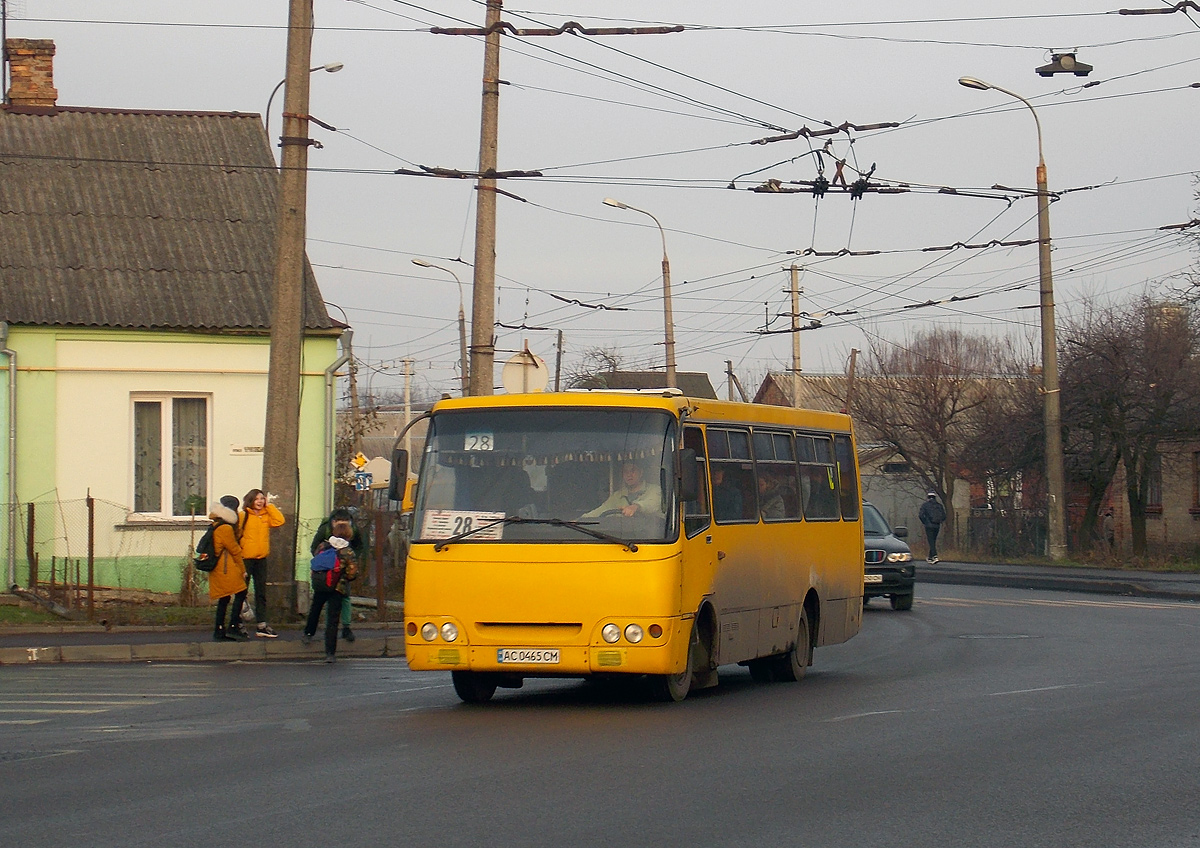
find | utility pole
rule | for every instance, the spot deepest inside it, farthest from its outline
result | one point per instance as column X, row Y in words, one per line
column 355, row 430
column 483, row 310
column 280, row 442
column 850, row 380
column 407, row 407
column 795, row 336
column 558, row 363
column 483, row 294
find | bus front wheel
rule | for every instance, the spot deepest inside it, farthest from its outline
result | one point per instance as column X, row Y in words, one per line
column 473, row 687
column 675, row 687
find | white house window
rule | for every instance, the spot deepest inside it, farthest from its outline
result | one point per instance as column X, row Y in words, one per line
column 170, row 455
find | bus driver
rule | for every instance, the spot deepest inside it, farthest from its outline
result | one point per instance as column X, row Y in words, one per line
column 634, row 497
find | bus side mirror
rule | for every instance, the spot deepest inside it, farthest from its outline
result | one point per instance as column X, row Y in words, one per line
column 689, row 475
column 399, row 474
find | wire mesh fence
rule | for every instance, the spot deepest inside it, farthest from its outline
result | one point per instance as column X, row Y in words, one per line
column 88, row 552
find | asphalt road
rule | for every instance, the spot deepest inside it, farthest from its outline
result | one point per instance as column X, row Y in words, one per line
column 984, row 717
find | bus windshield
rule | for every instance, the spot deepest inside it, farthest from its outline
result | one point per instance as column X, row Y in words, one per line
column 581, row 475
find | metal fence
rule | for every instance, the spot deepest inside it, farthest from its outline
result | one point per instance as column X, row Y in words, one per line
column 82, row 552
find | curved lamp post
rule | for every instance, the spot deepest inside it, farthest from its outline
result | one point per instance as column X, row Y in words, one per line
column 1052, row 411
column 668, row 320
column 331, row 68
column 462, row 323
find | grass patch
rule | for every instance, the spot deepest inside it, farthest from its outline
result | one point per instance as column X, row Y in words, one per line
column 20, row 614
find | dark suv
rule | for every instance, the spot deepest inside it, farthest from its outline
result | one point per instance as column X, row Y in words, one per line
column 889, row 570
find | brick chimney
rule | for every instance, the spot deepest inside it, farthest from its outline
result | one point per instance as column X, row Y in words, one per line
column 31, row 72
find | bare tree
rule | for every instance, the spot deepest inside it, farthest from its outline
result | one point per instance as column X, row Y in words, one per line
column 1134, row 373
column 924, row 398
column 586, row 373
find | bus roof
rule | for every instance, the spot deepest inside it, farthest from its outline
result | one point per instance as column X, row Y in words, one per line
column 695, row 409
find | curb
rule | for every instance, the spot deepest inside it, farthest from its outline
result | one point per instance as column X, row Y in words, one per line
column 381, row 647
column 1059, row 583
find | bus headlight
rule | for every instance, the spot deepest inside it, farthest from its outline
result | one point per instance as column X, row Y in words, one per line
column 633, row 633
column 449, row 632
column 429, row 631
column 611, row 633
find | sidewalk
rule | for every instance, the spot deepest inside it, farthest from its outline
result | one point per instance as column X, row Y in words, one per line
column 1104, row 581
column 24, row 645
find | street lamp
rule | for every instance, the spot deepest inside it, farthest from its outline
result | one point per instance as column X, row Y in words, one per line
column 462, row 322
column 668, row 321
column 1052, row 412
column 331, row 68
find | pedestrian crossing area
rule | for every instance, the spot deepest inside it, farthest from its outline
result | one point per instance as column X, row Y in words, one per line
column 27, row 700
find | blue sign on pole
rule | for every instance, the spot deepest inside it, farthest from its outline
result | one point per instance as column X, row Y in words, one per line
column 362, row 481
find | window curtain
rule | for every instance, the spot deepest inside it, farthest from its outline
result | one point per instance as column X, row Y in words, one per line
column 147, row 456
column 189, row 469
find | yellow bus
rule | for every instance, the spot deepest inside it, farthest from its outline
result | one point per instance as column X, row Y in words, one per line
column 595, row 534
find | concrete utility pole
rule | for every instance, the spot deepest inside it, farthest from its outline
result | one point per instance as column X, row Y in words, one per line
column 795, row 336
column 1056, row 505
column 483, row 295
column 483, row 312
column 280, row 443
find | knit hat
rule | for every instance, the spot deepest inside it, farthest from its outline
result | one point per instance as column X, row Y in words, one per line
column 338, row 543
column 230, row 502
column 931, row 494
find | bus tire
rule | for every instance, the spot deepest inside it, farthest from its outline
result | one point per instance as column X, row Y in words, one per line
column 473, row 687
column 761, row 670
column 675, row 687
column 790, row 667
column 902, row 602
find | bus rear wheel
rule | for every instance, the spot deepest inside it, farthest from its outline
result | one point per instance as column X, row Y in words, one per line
column 473, row 687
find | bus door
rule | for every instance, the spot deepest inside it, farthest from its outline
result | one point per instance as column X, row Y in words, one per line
column 699, row 552
column 737, row 576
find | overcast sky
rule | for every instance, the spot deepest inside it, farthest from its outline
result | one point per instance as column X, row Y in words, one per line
column 666, row 123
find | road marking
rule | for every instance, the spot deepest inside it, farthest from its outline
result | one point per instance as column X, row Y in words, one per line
column 1042, row 689
column 1045, row 602
column 24, row 720
column 139, row 702
column 865, row 715
column 54, row 712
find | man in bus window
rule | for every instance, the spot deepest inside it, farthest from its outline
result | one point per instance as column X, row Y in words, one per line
column 727, row 497
column 633, row 497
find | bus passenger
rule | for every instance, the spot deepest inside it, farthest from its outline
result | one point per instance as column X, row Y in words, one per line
column 770, row 496
column 726, row 498
column 634, row 497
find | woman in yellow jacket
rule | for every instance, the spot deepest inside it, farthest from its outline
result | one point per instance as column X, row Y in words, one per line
column 228, row 579
column 258, row 516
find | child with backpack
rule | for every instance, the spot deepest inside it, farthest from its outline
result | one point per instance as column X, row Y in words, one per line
column 227, row 579
column 333, row 567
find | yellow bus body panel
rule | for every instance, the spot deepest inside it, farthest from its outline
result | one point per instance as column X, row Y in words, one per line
column 532, row 598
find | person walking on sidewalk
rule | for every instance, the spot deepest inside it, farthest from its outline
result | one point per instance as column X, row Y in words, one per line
column 228, row 578
column 332, row 567
column 257, row 518
column 340, row 523
column 931, row 516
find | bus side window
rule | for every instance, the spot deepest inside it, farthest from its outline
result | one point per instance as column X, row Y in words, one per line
column 818, row 478
column 851, row 498
column 696, row 515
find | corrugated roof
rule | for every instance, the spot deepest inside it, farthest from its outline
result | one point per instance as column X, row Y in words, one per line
column 691, row 383
column 152, row 220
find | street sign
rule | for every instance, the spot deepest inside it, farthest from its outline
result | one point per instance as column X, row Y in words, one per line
column 362, row 481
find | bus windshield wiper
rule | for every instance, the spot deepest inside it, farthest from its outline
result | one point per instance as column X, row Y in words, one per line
column 553, row 522
column 581, row 527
